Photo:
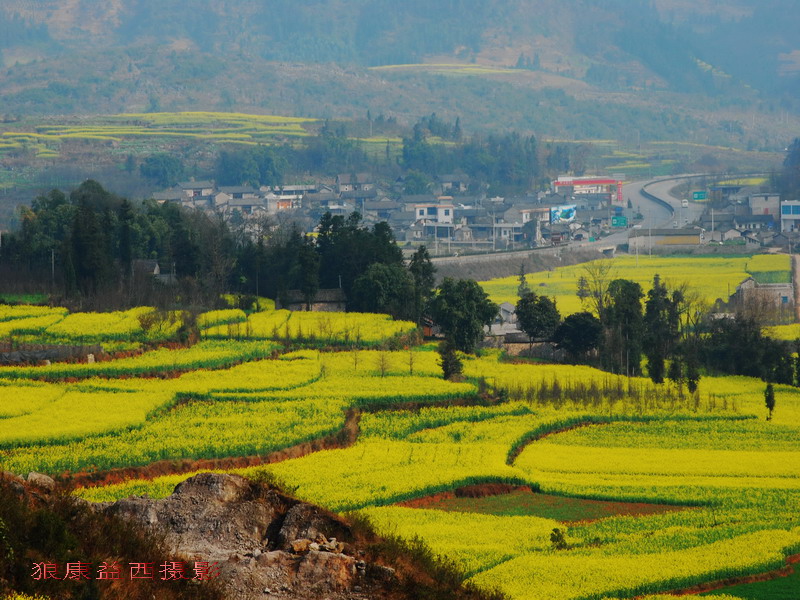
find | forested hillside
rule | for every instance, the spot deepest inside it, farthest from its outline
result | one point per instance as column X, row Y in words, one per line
column 83, row 56
column 664, row 37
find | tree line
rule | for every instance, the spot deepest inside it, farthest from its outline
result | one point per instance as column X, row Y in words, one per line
column 85, row 245
column 506, row 163
column 670, row 330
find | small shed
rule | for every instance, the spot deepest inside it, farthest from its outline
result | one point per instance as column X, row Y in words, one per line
column 145, row 268
column 508, row 313
column 329, row 300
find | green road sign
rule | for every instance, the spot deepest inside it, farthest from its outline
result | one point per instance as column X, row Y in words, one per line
column 619, row 221
column 698, row 195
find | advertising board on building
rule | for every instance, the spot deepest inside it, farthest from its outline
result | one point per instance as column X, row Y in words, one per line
column 563, row 214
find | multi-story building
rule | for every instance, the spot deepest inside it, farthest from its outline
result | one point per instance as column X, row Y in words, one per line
column 790, row 215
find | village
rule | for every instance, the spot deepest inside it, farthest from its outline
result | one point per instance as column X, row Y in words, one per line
column 453, row 219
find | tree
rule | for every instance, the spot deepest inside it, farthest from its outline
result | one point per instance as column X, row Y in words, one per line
column 790, row 175
column 307, row 271
column 796, row 345
column 448, row 359
column 693, row 311
column 163, row 169
column 593, row 287
column 583, row 292
column 661, row 327
column 579, row 334
column 346, row 249
column 692, row 371
column 523, row 289
column 126, row 217
column 384, row 289
column 384, row 248
column 237, row 168
column 462, row 308
column 737, row 347
column 623, row 327
column 769, row 400
column 418, row 155
column 537, row 316
column 271, row 165
column 675, row 371
column 416, row 183
column 422, row 270
column 457, row 133
column 558, row 540
column 90, row 253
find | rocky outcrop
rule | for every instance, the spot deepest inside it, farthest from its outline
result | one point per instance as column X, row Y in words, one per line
column 265, row 544
column 41, row 354
column 43, row 482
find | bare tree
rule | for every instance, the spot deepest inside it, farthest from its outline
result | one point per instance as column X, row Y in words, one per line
column 597, row 275
column 383, row 362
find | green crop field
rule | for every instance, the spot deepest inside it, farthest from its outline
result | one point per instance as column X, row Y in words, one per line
column 780, row 588
column 525, row 502
column 652, row 489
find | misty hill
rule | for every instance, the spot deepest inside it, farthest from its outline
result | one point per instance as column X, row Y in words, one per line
column 72, row 56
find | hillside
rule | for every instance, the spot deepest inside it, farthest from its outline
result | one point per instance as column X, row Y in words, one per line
column 501, row 59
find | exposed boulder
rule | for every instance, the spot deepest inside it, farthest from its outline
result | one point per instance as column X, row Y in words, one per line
column 43, row 482
column 265, row 544
column 305, row 521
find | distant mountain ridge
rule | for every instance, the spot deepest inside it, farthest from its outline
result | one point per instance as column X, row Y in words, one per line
column 577, row 34
column 72, row 56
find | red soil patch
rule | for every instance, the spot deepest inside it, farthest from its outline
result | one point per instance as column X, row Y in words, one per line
column 480, row 490
column 508, row 500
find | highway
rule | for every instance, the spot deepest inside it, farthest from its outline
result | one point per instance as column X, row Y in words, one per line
column 683, row 216
column 666, row 213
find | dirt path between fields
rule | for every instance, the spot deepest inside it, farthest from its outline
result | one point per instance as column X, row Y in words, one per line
column 515, row 452
column 343, row 438
column 711, row 586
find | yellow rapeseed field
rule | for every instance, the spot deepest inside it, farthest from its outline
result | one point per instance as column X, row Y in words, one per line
column 710, row 277
column 732, row 476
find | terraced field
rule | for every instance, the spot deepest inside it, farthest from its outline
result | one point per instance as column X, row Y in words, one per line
column 632, row 489
column 45, row 138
